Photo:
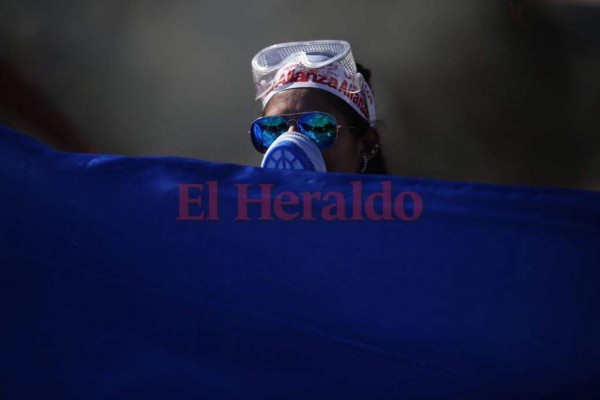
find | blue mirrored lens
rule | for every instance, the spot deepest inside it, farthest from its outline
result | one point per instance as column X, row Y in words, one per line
column 265, row 130
column 320, row 127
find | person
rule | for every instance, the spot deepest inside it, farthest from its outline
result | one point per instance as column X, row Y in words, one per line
column 317, row 89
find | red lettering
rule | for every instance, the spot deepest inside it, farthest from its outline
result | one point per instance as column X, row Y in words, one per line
column 386, row 203
column 339, row 205
column 279, row 203
column 321, row 79
column 307, row 211
column 333, row 83
column 185, row 200
column 264, row 200
column 213, row 203
column 356, row 200
column 302, row 77
column 417, row 203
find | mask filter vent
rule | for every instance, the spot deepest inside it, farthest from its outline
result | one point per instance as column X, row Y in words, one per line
column 294, row 151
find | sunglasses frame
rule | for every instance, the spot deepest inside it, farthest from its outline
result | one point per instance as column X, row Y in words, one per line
column 337, row 131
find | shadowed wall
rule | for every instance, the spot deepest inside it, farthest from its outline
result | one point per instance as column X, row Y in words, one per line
column 464, row 93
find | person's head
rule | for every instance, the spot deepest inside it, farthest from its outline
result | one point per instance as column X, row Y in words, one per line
column 306, row 77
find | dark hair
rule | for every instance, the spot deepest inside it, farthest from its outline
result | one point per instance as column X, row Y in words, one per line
column 377, row 164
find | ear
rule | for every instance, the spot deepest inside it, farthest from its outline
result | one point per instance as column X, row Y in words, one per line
column 370, row 143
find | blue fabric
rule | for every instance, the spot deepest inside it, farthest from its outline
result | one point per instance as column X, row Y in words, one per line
column 491, row 293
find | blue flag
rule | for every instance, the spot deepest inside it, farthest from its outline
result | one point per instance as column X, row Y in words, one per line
column 171, row 278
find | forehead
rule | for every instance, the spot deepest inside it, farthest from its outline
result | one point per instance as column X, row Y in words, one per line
column 302, row 100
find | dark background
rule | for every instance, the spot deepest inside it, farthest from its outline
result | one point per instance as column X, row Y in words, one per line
column 490, row 91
